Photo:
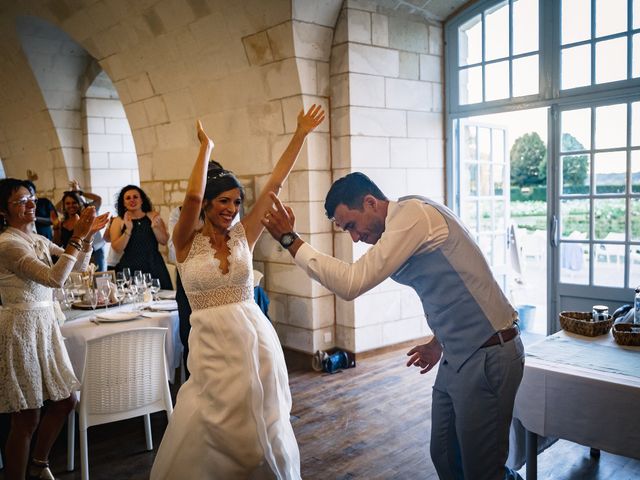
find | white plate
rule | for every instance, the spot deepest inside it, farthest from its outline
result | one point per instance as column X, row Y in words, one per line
column 163, row 305
column 117, row 316
column 166, row 294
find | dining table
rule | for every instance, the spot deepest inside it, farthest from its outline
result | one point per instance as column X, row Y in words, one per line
column 582, row 389
column 83, row 325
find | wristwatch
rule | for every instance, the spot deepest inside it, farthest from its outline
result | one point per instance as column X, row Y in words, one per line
column 287, row 239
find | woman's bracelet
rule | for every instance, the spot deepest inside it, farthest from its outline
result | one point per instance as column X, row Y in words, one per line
column 75, row 244
column 85, row 241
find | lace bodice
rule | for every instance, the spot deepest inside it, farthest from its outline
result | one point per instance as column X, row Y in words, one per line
column 27, row 273
column 205, row 284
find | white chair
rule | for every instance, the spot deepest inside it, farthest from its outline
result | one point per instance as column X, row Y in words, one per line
column 125, row 376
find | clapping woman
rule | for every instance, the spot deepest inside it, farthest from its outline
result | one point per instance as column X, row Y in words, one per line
column 34, row 365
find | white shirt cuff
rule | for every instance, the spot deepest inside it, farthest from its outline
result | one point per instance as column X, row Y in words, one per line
column 304, row 255
column 69, row 256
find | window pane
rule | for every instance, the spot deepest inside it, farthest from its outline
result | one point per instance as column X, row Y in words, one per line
column 610, row 172
column 635, row 71
column 470, row 179
column 469, row 212
column 485, row 179
column 484, row 241
column 635, row 123
column 576, row 20
column 497, row 31
column 470, row 85
column 611, row 126
column 498, row 146
column 575, row 174
column 497, row 75
column 574, row 263
column 498, row 179
column 574, row 218
column 525, row 76
column 484, row 144
column 635, row 173
column 635, row 221
column 499, row 249
column 636, row 14
column 608, row 266
column 576, row 67
column 469, row 150
column 611, row 17
column 486, row 217
column 609, row 218
column 470, row 41
column 576, row 130
column 634, row 266
column 525, row 26
column 611, row 60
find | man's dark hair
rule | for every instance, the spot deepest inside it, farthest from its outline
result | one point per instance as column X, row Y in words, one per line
column 120, row 206
column 350, row 191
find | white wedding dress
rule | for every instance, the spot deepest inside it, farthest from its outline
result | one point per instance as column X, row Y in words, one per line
column 231, row 419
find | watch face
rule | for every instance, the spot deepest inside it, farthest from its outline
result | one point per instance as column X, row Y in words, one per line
column 287, row 239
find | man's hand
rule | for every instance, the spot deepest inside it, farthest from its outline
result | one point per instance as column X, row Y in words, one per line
column 425, row 356
column 280, row 219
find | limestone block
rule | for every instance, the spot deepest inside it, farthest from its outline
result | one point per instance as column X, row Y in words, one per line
column 340, row 34
column 339, row 90
column 323, row 338
column 345, row 312
column 435, row 153
column 145, row 139
column 366, row 5
column 405, row 34
column 291, row 280
column 139, row 87
column 79, row 25
column 387, row 286
column 379, row 30
column 310, row 313
column 366, row 90
column 377, row 308
column 269, row 250
column 312, row 41
column 374, row 60
column 378, row 122
column 308, row 76
column 102, row 16
column 345, row 338
column 438, row 92
column 408, row 152
column 104, row 143
column 323, row 242
column 310, row 217
column 315, row 153
column 110, row 177
column 410, row 303
column 172, row 15
column 117, row 126
column 127, row 144
column 341, row 151
column 156, row 110
column 425, row 125
column 340, row 121
column 322, row 12
column 165, row 166
column 265, row 118
column 66, row 119
column 369, row 152
column 368, row 338
column 98, row 160
column 409, row 65
column 291, row 108
column 402, row 330
column 296, row 338
column 258, row 49
column 408, row 94
column 176, row 135
column 358, row 26
column 428, row 182
column 280, row 39
column 155, row 191
column 281, row 79
column 69, row 137
column 339, row 62
column 435, row 40
column 105, row 108
column 392, row 181
column 343, row 246
column 278, row 307
column 169, row 76
column 95, row 125
column 123, row 160
column 431, row 68
column 309, row 185
column 323, row 79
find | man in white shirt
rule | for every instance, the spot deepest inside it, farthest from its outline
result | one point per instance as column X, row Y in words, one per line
column 422, row 244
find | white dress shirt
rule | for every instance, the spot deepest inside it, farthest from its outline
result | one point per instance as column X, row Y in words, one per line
column 411, row 227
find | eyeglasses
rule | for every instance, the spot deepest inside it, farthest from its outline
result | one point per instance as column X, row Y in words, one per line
column 24, row 200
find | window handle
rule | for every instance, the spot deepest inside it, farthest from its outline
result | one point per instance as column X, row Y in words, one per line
column 554, row 231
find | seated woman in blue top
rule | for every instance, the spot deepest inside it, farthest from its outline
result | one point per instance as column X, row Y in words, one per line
column 136, row 233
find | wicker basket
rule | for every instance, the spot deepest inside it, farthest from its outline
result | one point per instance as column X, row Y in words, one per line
column 623, row 334
column 581, row 323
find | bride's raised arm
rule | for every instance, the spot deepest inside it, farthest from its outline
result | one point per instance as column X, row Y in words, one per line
column 307, row 122
column 188, row 222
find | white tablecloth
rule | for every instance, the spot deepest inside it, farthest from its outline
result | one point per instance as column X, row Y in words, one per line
column 587, row 393
column 76, row 333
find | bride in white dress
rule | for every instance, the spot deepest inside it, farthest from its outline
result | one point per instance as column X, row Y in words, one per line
column 231, row 419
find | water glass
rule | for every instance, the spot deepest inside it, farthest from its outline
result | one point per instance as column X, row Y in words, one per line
column 126, row 274
column 138, row 278
column 154, row 287
column 147, row 279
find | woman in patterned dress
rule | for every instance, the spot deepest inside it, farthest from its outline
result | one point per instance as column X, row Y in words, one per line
column 231, row 419
column 34, row 365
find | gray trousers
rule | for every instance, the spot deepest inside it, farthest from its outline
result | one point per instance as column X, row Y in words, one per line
column 471, row 413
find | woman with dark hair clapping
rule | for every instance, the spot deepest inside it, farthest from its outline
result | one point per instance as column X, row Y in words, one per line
column 34, row 365
column 136, row 233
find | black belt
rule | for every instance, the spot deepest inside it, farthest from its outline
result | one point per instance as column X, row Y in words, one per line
column 501, row 336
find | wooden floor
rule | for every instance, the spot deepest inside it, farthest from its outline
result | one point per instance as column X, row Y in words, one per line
column 371, row 422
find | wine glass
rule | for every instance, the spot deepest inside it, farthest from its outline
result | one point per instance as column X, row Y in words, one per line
column 147, row 279
column 105, row 291
column 155, row 288
column 126, row 274
column 92, row 295
column 120, row 293
column 133, row 295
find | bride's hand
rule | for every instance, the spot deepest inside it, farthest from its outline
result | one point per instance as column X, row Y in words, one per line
column 307, row 122
column 203, row 137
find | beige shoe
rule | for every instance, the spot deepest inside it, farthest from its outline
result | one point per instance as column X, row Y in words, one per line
column 39, row 470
